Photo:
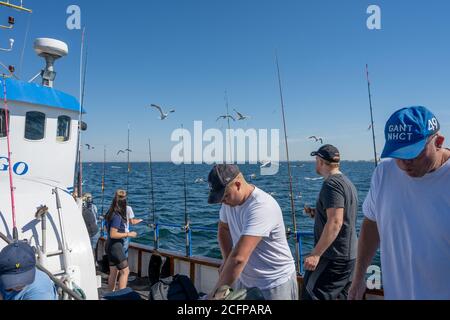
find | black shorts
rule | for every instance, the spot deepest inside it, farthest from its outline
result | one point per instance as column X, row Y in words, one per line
column 330, row 281
column 116, row 254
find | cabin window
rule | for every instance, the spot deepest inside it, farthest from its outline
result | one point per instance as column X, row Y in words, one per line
column 35, row 126
column 3, row 123
column 63, row 133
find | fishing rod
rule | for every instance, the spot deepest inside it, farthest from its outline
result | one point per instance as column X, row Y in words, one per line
column 186, row 216
column 291, row 189
column 153, row 211
column 8, row 143
column 229, row 127
column 103, row 178
column 371, row 117
column 103, row 189
column 128, row 158
column 80, row 120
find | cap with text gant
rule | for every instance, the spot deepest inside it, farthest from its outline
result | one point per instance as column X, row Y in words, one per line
column 407, row 132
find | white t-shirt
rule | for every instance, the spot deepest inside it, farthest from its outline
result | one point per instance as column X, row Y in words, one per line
column 271, row 263
column 413, row 219
column 130, row 215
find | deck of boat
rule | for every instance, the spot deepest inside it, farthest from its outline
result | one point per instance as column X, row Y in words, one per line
column 202, row 271
column 138, row 284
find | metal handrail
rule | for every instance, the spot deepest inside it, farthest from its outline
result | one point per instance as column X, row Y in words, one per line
column 300, row 247
column 189, row 229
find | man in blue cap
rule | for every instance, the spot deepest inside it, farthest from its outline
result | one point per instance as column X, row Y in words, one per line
column 19, row 278
column 252, row 237
column 407, row 212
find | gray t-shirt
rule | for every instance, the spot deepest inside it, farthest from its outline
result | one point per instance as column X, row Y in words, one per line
column 271, row 263
column 338, row 192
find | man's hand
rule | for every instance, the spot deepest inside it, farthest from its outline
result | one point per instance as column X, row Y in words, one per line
column 311, row 262
column 311, row 212
column 357, row 290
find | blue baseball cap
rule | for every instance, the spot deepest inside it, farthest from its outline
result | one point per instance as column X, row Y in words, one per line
column 17, row 265
column 407, row 132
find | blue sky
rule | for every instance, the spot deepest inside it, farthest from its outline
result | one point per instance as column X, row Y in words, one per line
column 185, row 54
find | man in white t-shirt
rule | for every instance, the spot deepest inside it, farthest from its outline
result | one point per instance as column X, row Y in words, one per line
column 252, row 237
column 407, row 212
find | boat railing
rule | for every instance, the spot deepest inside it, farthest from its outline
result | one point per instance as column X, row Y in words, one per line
column 189, row 229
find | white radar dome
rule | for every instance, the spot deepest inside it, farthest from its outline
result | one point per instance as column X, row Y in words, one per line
column 53, row 47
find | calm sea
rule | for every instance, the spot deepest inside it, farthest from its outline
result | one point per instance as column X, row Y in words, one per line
column 170, row 201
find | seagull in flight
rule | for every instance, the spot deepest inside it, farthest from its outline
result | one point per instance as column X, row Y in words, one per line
column 317, row 139
column 120, row 151
column 89, row 146
column 128, row 150
column 370, row 127
column 241, row 116
column 163, row 115
column 226, row 117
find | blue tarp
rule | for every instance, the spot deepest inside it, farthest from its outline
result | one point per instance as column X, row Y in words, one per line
column 37, row 94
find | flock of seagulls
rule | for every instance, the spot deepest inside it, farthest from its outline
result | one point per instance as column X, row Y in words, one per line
column 164, row 115
column 240, row 117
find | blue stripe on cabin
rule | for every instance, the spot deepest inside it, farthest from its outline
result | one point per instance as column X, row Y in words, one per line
column 36, row 94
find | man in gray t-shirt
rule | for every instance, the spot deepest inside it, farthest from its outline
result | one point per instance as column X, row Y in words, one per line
column 331, row 263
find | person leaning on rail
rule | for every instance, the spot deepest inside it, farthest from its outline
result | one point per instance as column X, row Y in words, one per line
column 252, row 237
column 19, row 278
column 116, row 218
column 407, row 211
column 329, row 267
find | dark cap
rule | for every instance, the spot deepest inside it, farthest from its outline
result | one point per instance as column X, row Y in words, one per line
column 328, row 153
column 17, row 265
column 219, row 178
